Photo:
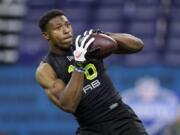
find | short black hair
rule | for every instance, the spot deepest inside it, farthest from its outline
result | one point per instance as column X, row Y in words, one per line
column 48, row 16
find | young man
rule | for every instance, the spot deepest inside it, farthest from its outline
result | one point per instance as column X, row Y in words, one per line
column 81, row 86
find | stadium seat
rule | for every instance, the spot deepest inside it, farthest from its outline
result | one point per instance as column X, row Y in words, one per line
column 109, row 13
column 31, row 29
column 146, row 13
column 149, row 45
column 146, row 2
column 114, row 26
column 142, row 28
column 11, row 25
column 79, row 27
column 174, row 12
column 32, row 45
column 172, row 59
column 77, row 14
column 173, row 44
column 34, row 14
column 10, row 40
column 41, row 3
column 176, row 2
column 112, row 2
column 8, row 10
column 174, row 28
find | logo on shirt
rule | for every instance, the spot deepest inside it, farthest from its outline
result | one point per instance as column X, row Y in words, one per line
column 70, row 58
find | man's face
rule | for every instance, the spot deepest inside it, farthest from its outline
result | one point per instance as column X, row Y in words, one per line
column 60, row 33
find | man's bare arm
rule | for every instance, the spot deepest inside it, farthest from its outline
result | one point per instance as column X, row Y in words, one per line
column 126, row 43
column 66, row 97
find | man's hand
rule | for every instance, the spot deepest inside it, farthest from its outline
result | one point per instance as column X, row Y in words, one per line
column 81, row 44
column 94, row 31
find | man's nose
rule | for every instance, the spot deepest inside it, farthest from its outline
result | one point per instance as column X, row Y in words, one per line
column 66, row 30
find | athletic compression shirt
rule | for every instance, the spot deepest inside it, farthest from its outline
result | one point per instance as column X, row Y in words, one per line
column 99, row 95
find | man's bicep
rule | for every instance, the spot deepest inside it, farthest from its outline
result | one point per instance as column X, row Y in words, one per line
column 48, row 80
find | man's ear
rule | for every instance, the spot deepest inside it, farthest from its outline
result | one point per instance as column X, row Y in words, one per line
column 45, row 35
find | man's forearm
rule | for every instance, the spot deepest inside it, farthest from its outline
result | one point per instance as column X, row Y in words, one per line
column 71, row 95
column 126, row 43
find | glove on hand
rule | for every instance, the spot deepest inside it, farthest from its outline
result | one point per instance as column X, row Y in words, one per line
column 81, row 45
column 94, row 31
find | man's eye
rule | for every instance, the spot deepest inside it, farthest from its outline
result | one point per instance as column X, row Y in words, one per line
column 68, row 24
column 59, row 27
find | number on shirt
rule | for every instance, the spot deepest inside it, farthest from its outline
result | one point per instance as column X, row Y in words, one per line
column 90, row 71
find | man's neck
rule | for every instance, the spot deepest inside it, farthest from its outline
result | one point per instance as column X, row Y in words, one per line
column 57, row 50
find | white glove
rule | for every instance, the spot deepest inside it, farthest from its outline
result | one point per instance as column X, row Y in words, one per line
column 94, row 31
column 88, row 32
column 81, row 47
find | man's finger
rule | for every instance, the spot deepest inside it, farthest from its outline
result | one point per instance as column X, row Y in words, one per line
column 77, row 41
column 84, row 40
column 90, row 31
column 89, row 42
column 85, row 33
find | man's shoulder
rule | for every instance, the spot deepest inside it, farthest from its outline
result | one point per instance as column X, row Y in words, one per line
column 42, row 66
column 45, row 74
column 44, row 69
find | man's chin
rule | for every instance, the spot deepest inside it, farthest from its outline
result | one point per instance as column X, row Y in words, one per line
column 67, row 41
column 65, row 46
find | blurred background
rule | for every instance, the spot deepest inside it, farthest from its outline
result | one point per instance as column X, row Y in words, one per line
column 149, row 81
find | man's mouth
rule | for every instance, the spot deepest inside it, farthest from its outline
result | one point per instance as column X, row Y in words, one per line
column 68, row 37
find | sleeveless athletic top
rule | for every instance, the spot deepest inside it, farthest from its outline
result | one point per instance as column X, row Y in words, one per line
column 99, row 95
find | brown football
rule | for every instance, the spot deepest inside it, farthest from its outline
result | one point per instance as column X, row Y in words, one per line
column 104, row 45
